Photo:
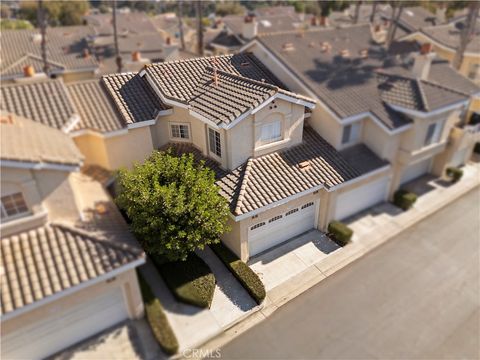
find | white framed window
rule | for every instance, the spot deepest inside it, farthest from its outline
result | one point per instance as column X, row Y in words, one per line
column 180, row 131
column 433, row 133
column 271, row 132
column 13, row 205
column 214, row 142
column 351, row 133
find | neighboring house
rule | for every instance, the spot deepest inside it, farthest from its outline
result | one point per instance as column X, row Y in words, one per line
column 68, row 53
column 446, row 39
column 139, row 42
column 238, row 30
column 402, row 106
column 68, row 259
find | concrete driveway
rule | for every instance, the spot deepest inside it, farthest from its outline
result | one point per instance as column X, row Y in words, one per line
column 415, row 297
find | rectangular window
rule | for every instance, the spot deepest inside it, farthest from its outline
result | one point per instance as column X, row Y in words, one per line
column 180, row 131
column 13, row 205
column 430, row 134
column 214, row 143
column 271, row 132
column 351, row 133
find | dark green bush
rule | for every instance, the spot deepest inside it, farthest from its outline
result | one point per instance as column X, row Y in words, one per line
column 157, row 319
column 247, row 277
column 476, row 149
column 454, row 173
column 340, row 232
column 404, row 199
column 191, row 281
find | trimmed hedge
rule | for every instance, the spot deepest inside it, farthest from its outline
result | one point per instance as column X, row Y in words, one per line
column 404, row 199
column 340, row 232
column 476, row 148
column 191, row 281
column 246, row 276
column 454, row 173
column 157, row 319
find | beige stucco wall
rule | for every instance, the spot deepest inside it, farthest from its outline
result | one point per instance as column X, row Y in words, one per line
column 48, row 190
column 77, row 76
column 117, row 151
column 323, row 122
column 127, row 281
column 383, row 144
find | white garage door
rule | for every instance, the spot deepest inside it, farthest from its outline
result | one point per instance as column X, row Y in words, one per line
column 361, row 198
column 459, row 158
column 416, row 170
column 65, row 328
column 278, row 229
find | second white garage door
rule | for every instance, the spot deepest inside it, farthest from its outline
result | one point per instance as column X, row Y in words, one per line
column 64, row 328
column 416, row 170
column 265, row 234
column 361, row 198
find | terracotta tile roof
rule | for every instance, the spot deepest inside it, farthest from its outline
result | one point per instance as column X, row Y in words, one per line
column 47, row 260
column 29, row 141
column 243, row 84
column 361, row 158
column 45, row 101
column 133, row 97
column 449, row 35
column 273, row 177
column 64, row 46
column 94, row 106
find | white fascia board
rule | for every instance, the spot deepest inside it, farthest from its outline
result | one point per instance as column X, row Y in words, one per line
column 38, row 166
column 296, row 100
column 277, row 203
column 423, row 115
column 142, row 124
column 360, row 178
column 354, row 118
column 435, row 42
column 101, row 135
column 204, row 119
column 74, row 289
column 164, row 113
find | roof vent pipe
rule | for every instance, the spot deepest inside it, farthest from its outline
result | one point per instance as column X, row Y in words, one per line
column 250, row 27
column 28, row 71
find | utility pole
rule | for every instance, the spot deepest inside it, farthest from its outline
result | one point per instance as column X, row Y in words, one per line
column 394, row 20
column 466, row 35
column 42, row 23
column 180, row 24
column 374, row 10
column 357, row 12
column 198, row 7
column 118, row 58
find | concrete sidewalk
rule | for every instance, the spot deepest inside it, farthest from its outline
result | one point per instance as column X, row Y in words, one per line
column 192, row 325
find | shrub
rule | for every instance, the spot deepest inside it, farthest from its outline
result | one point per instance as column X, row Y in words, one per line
column 191, row 281
column 340, row 232
column 157, row 319
column 454, row 173
column 476, row 149
column 404, row 199
column 247, row 277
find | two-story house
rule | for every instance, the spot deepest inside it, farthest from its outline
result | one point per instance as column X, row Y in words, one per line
column 68, row 260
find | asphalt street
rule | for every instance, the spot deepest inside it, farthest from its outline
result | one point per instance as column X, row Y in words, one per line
column 415, row 297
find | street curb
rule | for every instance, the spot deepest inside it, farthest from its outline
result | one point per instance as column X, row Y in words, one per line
column 230, row 333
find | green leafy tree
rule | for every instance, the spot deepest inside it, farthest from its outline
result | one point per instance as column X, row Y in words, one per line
column 229, row 8
column 10, row 24
column 59, row 13
column 173, row 204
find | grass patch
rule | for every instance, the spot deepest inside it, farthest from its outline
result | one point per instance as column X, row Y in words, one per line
column 157, row 319
column 191, row 281
column 247, row 277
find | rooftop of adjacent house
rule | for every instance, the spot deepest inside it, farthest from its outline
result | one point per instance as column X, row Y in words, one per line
column 65, row 46
column 449, row 35
column 270, row 178
column 340, row 66
column 46, row 101
column 133, row 97
column 26, row 140
column 127, row 23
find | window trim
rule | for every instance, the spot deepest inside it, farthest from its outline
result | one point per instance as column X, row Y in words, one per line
column 272, row 140
column 351, row 131
column 210, row 151
column 173, row 138
column 18, row 214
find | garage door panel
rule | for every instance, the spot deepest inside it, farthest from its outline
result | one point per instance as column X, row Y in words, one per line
column 416, row 170
column 281, row 228
column 458, row 158
column 65, row 327
column 361, row 198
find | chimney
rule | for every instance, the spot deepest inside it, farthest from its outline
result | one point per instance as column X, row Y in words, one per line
column 29, row 71
column 168, row 40
column 136, row 56
column 323, row 21
column 423, row 61
column 441, row 13
column 250, row 27
column 86, row 53
column 313, row 21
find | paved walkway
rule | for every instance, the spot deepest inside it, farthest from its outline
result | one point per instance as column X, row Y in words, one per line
column 192, row 325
